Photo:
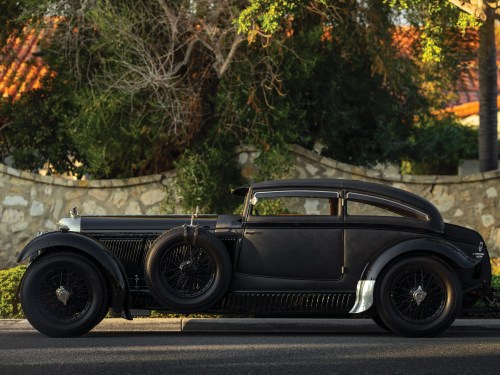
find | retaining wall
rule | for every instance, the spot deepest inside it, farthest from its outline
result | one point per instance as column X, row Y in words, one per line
column 31, row 202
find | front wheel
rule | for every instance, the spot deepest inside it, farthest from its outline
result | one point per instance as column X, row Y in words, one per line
column 418, row 297
column 63, row 294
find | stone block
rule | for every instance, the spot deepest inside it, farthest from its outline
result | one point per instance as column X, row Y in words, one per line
column 15, row 200
column 37, row 209
column 152, row 197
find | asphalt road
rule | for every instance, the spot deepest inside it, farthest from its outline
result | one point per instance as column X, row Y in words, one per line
column 464, row 351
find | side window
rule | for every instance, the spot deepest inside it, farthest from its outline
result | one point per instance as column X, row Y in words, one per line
column 294, row 204
column 367, row 205
column 366, row 209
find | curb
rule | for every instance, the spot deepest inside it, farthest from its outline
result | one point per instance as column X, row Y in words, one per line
column 247, row 325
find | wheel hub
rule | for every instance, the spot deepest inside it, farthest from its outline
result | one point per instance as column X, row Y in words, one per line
column 62, row 295
column 188, row 267
column 419, row 295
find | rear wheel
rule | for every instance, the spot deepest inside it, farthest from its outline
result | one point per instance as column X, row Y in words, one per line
column 418, row 296
column 376, row 319
column 64, row 295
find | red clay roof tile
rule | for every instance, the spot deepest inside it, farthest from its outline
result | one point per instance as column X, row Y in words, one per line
column 20, row 70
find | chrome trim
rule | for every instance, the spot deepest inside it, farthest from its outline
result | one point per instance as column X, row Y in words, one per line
column 73, row 213
column 297, row 193
column 419, row 295
column 73, row 224
column 364, row 296
column 62, row 295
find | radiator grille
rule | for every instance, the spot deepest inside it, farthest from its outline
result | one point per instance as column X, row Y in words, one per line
column 130, row 252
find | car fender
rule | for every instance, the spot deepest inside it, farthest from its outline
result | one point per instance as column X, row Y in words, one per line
column 114, row 271
column 430, row 246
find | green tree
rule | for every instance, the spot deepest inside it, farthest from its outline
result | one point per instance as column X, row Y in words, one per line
column 268, row 17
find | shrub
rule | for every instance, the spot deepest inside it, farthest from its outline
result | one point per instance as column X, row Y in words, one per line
column 9, row 281
column 205, row 176
column 495, row 266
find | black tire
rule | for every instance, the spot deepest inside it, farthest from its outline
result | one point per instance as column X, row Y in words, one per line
column 187, row 273
column 376, row 319
column 87, row 301
column 418, row 297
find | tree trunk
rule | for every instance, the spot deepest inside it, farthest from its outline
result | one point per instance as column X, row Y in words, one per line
column 488, row 138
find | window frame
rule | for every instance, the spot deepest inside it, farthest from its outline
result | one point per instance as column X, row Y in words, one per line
column 294, row 193
column 406, row 211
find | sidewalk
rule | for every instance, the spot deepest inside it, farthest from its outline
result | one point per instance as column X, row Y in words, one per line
column 248, row 325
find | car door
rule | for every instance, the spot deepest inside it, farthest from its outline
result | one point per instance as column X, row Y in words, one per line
column 293, row 234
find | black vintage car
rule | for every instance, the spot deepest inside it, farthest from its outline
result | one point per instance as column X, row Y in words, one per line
column 300, row 248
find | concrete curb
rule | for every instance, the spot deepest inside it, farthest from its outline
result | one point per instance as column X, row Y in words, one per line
column 241, row 325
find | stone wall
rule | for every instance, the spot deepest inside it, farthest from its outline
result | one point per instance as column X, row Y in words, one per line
column 30, row 202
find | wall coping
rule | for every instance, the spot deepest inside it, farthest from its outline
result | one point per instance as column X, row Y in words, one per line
column 381, row 176
column 298, row 150
column 105, row 183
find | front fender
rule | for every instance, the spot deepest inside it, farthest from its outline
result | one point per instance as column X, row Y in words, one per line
column 430, row 246
column 114, row 271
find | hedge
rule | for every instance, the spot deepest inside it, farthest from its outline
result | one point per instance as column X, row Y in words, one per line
column 9, row 281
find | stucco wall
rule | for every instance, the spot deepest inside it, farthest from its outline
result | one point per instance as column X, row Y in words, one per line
column 30, row 202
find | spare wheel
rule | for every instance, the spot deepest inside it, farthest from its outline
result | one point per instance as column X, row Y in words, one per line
column 188, row 269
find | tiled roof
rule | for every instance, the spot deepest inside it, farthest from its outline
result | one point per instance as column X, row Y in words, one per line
column 20, row 70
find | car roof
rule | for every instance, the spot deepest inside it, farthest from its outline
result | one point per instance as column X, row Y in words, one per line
column 436, row 220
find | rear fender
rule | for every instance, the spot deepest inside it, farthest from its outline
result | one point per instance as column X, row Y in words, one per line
column 429, row 246
column 114, row 272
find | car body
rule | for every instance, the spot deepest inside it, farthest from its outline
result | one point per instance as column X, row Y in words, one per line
column 317, row 247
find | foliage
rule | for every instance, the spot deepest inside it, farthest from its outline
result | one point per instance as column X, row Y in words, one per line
column 140, row 76
column 431, row 149
column 265, row 15
column 317, row 97
column 495, row 269
column 370, row 118
column 35, row 130
column 269, row 207
column 270, row 17
column 205, row 176
column 9, row 282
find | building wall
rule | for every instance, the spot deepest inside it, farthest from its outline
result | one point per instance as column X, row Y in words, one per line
column 30, row 202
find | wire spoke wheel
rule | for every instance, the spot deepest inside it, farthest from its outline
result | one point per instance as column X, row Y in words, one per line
column 64, row 294
column 52, row 287
column 187, row 270
column 418, row 295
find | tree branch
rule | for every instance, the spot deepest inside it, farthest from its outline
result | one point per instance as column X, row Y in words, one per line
column 234, row 46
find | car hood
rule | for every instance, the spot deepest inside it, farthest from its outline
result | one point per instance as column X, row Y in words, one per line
column 137, row 224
